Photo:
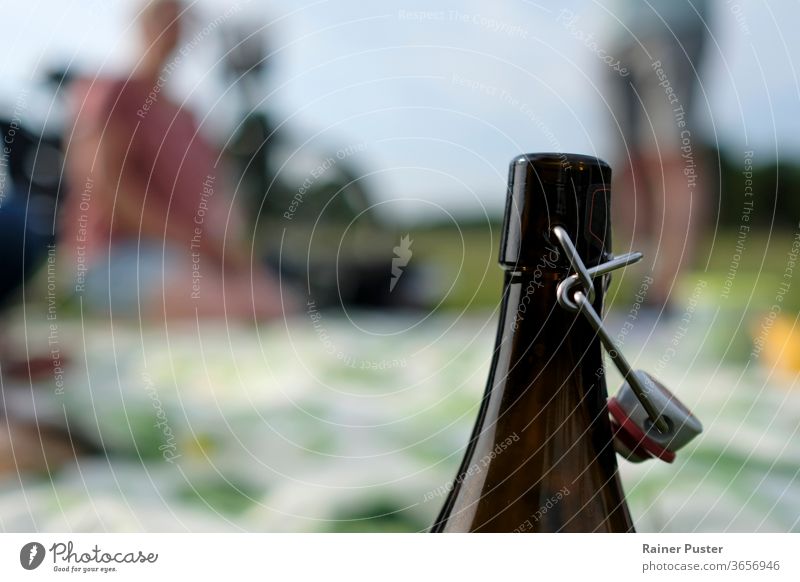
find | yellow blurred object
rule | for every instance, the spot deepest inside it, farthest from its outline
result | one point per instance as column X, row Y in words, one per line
column 778, row 344
column 199, row 447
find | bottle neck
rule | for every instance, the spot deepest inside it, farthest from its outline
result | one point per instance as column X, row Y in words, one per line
column 542, row 442
column 546, row 354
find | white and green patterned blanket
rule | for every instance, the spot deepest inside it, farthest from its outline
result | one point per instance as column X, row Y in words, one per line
column 337, row 424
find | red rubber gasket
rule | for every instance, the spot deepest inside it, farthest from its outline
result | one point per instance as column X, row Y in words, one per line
column 630, row 429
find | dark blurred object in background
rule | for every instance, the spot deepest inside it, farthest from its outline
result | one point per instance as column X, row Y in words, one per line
column 30, row 166
column 336, row 205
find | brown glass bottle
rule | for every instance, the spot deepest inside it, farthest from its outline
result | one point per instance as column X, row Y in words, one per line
column 540, row 458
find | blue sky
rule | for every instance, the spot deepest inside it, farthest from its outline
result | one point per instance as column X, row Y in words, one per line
column 440, row 101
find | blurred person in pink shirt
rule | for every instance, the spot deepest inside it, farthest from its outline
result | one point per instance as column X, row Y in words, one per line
column 149, row 221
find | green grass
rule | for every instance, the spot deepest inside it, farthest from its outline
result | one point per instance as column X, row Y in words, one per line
column 464, row 264
column 467, row 260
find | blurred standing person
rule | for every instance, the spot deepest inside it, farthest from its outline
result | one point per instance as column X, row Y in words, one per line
column 660, row 190
column 149, row 221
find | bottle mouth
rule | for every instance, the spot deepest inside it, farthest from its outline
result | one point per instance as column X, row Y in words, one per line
column 552, row 188
column 565, row 160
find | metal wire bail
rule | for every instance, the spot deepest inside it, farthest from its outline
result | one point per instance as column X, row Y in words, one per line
column 576, row 293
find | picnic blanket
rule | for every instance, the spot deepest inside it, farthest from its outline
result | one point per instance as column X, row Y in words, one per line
column 356, row 421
